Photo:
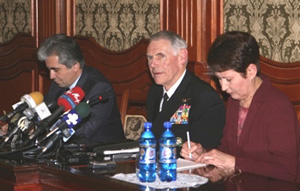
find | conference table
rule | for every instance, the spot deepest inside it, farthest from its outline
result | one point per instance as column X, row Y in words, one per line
column 22, row 175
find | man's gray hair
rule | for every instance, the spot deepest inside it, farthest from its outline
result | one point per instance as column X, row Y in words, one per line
column 176, row 41
column 63, row 46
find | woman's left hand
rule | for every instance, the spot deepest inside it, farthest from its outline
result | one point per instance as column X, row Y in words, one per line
column 218, row 159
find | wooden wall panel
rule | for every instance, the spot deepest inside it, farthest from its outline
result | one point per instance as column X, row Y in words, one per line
column 55, row 16
column 285, row 77
column 125, row 70
column 198, row 22
column 18, row 70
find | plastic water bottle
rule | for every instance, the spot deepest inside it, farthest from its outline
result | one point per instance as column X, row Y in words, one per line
column 167, row 154
column 147, row 162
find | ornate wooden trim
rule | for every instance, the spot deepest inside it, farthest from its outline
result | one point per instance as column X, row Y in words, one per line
column 198, row 22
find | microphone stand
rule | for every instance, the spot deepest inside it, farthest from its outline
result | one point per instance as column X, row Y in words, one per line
column 60, row 147
column 49, row 144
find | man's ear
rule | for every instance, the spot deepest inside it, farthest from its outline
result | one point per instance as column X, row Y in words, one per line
column 76, row 67
column 251, row 71
column 183, row 56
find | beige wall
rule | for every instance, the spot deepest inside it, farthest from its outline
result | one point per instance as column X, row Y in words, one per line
column 275, row 24
column 15, row 16
column 119, row 24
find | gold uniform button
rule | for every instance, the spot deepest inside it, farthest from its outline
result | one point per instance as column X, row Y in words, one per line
column 178, row 141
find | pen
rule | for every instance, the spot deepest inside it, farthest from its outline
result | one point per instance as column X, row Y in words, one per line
column 189, row 142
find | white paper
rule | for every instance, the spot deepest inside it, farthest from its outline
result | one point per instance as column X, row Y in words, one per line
column 183, row 164
column 182, row 181
column 130, row 150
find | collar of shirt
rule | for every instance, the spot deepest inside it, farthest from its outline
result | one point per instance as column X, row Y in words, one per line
column 175, row 86
column 75, row 82
column 171, row 90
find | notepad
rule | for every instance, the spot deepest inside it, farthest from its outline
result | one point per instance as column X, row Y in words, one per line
column 183, row 164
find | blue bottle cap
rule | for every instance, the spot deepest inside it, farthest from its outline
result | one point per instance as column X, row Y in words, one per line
column 167, row 124
column 147, row 124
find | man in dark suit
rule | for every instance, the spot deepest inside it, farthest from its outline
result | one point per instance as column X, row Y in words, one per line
column 192, row 104
column 65, row 61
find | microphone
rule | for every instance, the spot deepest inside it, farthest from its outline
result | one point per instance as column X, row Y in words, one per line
column 23, row 122
column 27, row 101
column 66, row 102
column 71, row 119
column 104, row 97
column 71, row 98
column 65, row 128
column 41, row 111
column 82, row 110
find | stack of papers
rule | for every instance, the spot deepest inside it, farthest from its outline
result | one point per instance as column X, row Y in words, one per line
column 183, row 164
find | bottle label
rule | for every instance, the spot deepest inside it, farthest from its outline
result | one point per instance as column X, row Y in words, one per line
column 147, row 154
column 167, row 154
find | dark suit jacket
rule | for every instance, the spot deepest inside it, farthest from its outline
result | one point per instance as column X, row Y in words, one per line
column 104, row 122
column 206, row 117
column 269, row 140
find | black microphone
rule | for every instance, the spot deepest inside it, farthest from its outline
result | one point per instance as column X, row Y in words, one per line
column 49, row 144
column 22, row 123
column 69, row 120
column 103, row 98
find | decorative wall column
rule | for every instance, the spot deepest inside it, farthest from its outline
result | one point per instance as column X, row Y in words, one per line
column 197, row 21
column 55, row 16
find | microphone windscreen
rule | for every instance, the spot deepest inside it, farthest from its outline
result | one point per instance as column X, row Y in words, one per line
column 37, row 97
column 83, row 109
column 33, row 99
column 71, row 98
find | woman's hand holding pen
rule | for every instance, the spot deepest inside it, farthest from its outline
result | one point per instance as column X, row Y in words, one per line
column 213, row 157
column 218, row 159
column 196, row 150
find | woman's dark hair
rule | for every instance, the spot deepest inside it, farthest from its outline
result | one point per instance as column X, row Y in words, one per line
column 233, row 50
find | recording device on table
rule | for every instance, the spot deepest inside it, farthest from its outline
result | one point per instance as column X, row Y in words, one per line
column 101, row 164
column 105, row 153
column 118, row 151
